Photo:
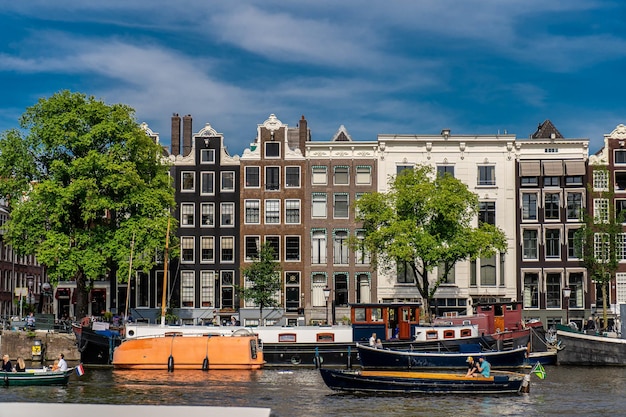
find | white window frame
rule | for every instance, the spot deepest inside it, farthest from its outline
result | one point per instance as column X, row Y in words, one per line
column 223, row 176
column 187, row 215
column 227, row 208
column 208, row 210
column 183, row 177
column 272, row 211
column 207, row 176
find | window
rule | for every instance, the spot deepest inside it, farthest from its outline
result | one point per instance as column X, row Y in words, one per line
column 272, row 211
column 486, row 175
column 342, row 175
column 487, row 212
column 207, row 156
column 340, row 247
column 401, row 168
column 207, row 284
column 228, row 181
column 272, row 149
column 227, row 279
column 362, row 255
column 253, row 175
column 292, row 248
column 600, row 210
column 601, row 247
column 571, row 244
column 187, row 214
column 529, row 206
column 252, row 211
column 252, row 247
column 318, row 208
column 620, row 181
column 318, row 175
column 274, row 243
column 187, row 290
column 600, row 180
column 292, row 177
column 208, row 214
column 207, row 183
column 340, row 206
column 227, row 248
column 574, row 206
column 187, row 244
column 405, row 273
column 488, row 271
column 272, row 178
column 442, row 170
column 553, row 243
column 575, row 284
column 551, row 206
column 529, row 249
column 207, row 249
column 341, row 290
column 363, row 175
column 620, row 246
column 553, row 290
column 318, row 246
column 143, row 289
column 529, row 181
column 363, row 289
column 551, row 181
column 187, row 181
column 227, row 213
column 531, row 290
column 620, row 156
column 292, row 211
column 574, row 180
column 292, row 291
column 318, row 283
column 620, row 210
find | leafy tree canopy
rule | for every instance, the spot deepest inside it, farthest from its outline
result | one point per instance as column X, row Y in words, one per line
column 81, row 179
column 425, row 221
column 263, row 279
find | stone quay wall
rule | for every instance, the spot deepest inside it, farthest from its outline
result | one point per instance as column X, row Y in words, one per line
column 17, row 343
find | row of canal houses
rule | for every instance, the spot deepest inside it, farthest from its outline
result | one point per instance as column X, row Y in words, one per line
column 297, row 195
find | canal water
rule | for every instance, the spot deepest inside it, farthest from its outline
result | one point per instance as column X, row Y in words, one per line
column 567, row 391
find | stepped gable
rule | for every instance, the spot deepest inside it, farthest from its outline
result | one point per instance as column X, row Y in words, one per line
column 546, row 130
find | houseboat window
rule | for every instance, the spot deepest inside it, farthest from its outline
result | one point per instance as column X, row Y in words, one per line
column 466, row 332
column 448, row 334
column 431, row 335
column 377, row 314
column 359, row 314
column 325, row 337
column 287, row 337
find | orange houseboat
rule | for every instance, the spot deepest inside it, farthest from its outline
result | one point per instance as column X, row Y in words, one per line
column 175, row 350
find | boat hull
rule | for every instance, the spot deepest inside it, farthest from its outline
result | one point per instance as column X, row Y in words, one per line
column 189, row 352
column 97, row 346
column 422, row 382
column 35, row 378
column 583, row 349
column 372, row 358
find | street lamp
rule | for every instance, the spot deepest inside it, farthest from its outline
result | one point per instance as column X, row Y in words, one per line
column 567, row 291
column 326, row 296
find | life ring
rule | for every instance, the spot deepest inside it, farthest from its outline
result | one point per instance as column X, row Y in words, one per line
column 296, row 360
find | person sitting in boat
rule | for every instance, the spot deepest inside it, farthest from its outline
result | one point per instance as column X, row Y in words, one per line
column 7, row 366
column 471, row 367
column 373, row 340
column 379, row 344
column 55, row 365
column 62, row 363
column 21, row 365
column 484, row 367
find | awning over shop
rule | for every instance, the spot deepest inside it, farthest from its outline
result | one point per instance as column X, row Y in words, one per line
column 529, row 169
column 552, row 168
column 574, row 168
column 63, row 294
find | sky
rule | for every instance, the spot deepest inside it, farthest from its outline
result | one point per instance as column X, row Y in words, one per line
column 405, row 67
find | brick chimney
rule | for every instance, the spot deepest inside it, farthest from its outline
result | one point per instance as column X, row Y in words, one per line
column 187, row 131
column 304, row 133
column 175, row 134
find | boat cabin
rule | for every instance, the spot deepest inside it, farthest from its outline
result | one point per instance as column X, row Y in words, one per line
column 390, row 321
column 491, row 318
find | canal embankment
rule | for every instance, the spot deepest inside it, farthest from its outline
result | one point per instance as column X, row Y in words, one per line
column 38, row 345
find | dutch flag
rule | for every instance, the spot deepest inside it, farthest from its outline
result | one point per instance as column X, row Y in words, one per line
column 80, row 371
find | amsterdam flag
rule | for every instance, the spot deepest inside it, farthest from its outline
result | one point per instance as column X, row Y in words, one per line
column 539, row 371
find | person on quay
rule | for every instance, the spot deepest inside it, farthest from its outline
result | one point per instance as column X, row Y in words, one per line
column 471, row 367
column 484, row 367
column 62, row 363
column 7, row 366
column 21, row 365
column 373, row 340
column 30, row 321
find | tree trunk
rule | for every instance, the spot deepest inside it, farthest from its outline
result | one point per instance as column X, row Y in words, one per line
column 82, row 296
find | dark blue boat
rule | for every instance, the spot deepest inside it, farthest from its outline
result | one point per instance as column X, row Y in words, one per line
column 424, row 382
column 372, row 358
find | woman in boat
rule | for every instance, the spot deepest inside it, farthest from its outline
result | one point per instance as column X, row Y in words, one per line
column 21, row 366
column 55, row 365
column 472, row 367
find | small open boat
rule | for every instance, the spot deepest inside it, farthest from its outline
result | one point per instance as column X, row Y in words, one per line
column 425, row 382
column 35, row 377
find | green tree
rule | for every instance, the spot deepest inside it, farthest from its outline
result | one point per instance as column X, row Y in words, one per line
column 263, row 277
column 425, row 221
column 596, row 242
column 81, row 178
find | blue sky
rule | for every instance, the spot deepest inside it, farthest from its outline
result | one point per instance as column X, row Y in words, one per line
column 406, row 67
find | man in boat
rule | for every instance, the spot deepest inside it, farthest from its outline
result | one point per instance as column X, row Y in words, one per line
column 373, row 340
column 484, row 367
column 62, row 363
column 471, row 367
column 7, row 366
